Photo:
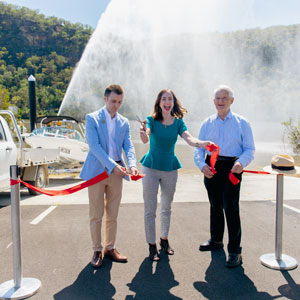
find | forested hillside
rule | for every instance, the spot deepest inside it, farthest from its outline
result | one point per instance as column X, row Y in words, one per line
column 261, row 64
column 47, row 47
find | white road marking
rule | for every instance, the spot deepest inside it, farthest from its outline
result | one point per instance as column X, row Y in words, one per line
column 39, row 218
column 8, row 245
column 290, row 207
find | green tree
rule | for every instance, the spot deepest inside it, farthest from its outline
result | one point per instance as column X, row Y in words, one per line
column 4, row 98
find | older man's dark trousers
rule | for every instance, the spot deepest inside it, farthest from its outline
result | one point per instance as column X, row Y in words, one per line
column 224, row 196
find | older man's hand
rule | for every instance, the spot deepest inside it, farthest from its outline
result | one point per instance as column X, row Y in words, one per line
column 206, row 170
column 237, row 168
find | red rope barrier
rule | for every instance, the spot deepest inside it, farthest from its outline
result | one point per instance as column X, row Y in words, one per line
column 73, row 189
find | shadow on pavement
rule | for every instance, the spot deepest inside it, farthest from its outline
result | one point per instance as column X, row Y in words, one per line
column 290, row 290
column 91, row 284
column 153, row 281
column 223, row 283
column 5, row 197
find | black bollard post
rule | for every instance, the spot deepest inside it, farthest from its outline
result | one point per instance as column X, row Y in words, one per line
column 32, row 101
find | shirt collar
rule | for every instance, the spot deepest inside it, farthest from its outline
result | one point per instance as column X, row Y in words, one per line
column 108, row 116
column 229, row 116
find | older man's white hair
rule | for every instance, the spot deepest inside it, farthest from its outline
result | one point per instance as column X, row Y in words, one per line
column 225, row 88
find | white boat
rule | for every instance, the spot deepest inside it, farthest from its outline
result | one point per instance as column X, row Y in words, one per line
column 63, row 133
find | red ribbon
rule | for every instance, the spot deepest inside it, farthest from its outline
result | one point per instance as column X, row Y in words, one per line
column 247, row 171
column 73, row 189
column 215, row 149
column 68, row 191
column 137, row 177
column 14, row 182
column 234, row 180
column 257, row 172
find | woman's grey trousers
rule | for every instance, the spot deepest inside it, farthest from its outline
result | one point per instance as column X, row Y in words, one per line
column 167, row 181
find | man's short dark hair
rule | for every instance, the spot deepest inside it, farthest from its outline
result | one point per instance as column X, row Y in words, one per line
column 113, row 88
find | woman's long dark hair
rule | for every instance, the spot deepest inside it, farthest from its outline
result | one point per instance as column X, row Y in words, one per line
column 178, row 110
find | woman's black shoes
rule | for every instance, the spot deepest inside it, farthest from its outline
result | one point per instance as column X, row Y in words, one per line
column 165, row 246
column 153, row 254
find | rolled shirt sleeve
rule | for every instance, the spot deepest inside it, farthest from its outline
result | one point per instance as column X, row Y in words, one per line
column 199, row 153
column 248, row 147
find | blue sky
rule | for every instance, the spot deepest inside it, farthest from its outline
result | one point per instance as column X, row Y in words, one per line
column 82, row 11
column 265, row 12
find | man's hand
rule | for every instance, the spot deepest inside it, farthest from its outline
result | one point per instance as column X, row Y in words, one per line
column 120, row 171
column 237, row 168
column 134, row 171
column 206, row 170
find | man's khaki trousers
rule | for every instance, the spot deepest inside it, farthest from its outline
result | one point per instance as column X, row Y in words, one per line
column 105, row 196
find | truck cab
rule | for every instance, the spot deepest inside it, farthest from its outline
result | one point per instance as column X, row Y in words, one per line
column 8, row 153
column 33, row 163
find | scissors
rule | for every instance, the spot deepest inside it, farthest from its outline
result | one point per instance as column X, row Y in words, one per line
column 139, row 120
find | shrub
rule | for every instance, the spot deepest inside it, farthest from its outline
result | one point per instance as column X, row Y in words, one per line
column 293, row 133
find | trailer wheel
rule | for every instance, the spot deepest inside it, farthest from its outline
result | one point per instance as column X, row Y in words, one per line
column 40, row 181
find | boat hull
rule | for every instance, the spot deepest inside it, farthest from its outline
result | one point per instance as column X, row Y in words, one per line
column 72, row 153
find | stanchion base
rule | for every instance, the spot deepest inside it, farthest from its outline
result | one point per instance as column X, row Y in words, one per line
column 285, row 263
column 28, row 288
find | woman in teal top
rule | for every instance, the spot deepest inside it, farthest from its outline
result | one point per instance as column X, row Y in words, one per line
column 160, row 164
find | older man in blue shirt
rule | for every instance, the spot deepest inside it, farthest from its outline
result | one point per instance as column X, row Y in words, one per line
column 233, row 134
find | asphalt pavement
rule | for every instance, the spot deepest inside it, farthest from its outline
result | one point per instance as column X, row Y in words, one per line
column 56, row 246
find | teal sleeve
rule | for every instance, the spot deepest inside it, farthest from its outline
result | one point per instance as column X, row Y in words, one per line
column 149, row 123
column 181, row 127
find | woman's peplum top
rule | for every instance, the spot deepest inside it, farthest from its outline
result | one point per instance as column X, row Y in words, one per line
column 161, row 155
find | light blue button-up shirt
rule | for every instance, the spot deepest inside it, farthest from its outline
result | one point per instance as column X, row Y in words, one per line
column 111, row 127
column 233, row 135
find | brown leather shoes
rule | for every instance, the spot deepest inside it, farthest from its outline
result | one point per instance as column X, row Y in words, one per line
column 96, row 261
column 114, row 255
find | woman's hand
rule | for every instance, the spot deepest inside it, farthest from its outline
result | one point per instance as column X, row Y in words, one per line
column 194, row 142
column 144, row 132
column 204, row 144
column 143, row 125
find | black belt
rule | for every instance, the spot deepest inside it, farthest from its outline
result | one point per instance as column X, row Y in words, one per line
column 224, row 158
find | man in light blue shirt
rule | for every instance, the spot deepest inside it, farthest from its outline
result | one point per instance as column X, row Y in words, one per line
column 233, row 134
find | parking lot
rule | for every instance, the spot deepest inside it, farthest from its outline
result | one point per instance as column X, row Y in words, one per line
column 56, row 246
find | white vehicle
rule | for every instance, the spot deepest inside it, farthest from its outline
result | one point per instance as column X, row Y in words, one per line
column 63, row 133
column 33, row 163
